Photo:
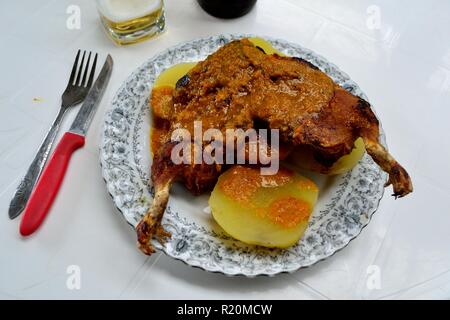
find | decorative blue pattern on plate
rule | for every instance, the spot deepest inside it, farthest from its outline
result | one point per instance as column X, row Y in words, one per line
column 344, row 208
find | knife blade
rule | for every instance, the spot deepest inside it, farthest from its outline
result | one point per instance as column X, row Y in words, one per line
column 48, row 184
column 84, row 117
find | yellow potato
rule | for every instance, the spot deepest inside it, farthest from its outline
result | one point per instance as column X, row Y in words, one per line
column 271, row 211
column 303, row 158
column 171, row 75
column 347, row 162
column 265, row 45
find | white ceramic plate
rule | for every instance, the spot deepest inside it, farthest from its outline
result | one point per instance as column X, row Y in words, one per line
column 345, row 203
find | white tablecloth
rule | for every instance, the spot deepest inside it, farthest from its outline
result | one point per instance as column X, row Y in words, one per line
column 397, row 51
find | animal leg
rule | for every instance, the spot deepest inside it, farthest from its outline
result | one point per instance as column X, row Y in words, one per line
column 398, row 177
column 150, row 225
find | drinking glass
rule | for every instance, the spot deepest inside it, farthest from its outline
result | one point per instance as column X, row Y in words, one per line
column 131, row 21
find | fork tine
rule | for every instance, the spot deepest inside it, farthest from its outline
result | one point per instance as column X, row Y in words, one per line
column 83, row 82
column 91, row 76
column 74, row 68
column 80, row 70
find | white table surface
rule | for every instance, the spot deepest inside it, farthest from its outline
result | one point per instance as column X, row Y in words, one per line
column 403, row 65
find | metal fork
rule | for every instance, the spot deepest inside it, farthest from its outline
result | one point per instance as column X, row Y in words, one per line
column 75, row 92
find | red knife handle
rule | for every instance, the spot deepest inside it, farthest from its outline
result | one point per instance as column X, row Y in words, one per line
column 48, row 184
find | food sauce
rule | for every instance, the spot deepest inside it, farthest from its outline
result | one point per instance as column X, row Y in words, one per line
column 167, row 79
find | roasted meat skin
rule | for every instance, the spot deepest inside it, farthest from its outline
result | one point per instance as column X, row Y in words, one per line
column 240, row 85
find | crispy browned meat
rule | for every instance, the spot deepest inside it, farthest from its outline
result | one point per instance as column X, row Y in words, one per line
column 240, row 85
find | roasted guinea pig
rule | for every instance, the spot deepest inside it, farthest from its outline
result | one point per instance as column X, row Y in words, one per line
column 240, row 86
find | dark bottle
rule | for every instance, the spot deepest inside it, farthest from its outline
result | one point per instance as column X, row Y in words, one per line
column 227, row 9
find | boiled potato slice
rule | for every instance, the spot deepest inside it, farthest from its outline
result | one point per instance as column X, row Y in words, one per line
column 347, row 162
column 265, row 45
column 303, row 158
column 171, row 75
column 271, row 211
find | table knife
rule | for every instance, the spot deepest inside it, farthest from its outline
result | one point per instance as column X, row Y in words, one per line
column 48, row 184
